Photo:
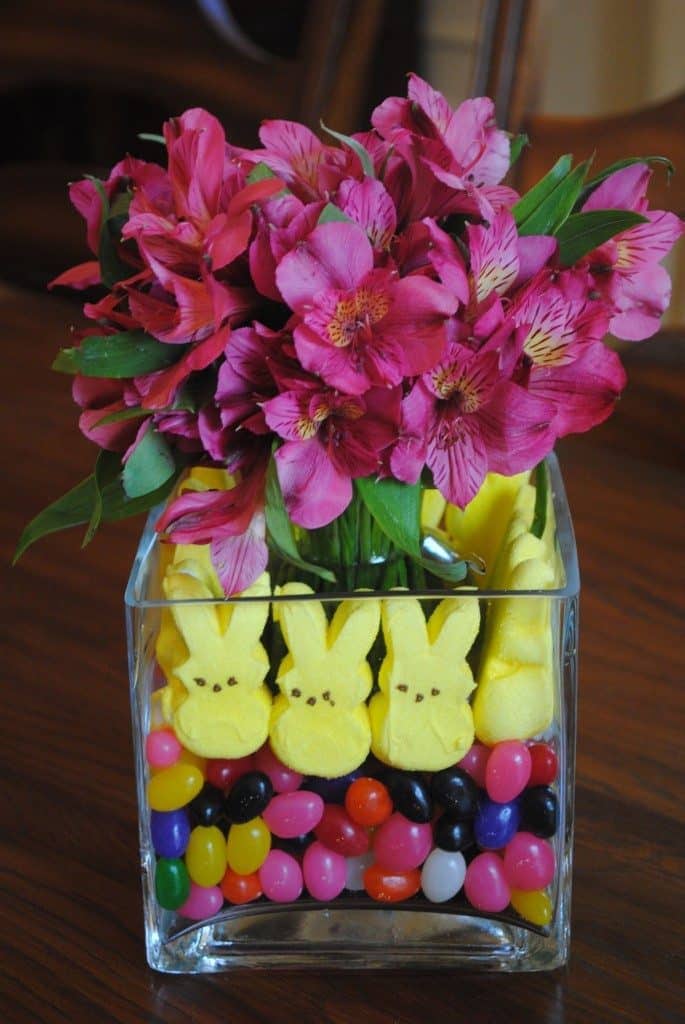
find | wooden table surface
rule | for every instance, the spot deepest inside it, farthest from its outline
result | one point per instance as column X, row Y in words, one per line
column 71, row 933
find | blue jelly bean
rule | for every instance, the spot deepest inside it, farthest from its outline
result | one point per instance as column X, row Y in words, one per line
column 495, row 824
column 331, row 791
column 170, row 832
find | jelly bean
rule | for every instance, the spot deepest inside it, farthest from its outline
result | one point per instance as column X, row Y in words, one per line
column 400, row 844
column 162, row 749
column 543, row 767
column 507, row 771
column 172, row 885
column 240, row 889
column 206, row 855
column 368, row 801
column 456, row 791
column 474, row 762
column 248, row 797
column 222, row 772
column 170, row 831
column 248, row 846
column 283, row 779
column 495, row 824
column 391, row 886
column 280, row 877
column 356, row 866
column 294, row 844
column 208, row 806
column 453, row 834
column 203, row 901
column 535, row 906
column 332, row 791
column 291, row 814
column 325, row 872
column 442, row 876
column 539, row 811
column 485, row 885
column 174, row 787
column 410, row 795
column 338, row 832
column 528, row 862
column 188, row 757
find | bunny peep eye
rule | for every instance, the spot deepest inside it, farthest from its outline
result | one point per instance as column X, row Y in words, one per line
column 231, row 681
column 418, row 698
column 435, row 691
column 326, row 695
column 200, row 681
column 402, row 687
column 296, row 692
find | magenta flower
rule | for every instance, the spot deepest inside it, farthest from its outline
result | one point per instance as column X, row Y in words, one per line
column 282, row 222
column 369, row 204
column 359, row 327
column 501, row 258
column 330, row 439
column 311, row 169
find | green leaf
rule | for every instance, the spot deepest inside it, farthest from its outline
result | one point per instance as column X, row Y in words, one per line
column 619, row 165
column 454, row 573
column 112, row 269
column 331, row 213
column 107, row 469
column 125, row 414
column 396, row 507
column 151, row 137
column 280, row 528
column 555, row 209
column 516, row 147
column 149, row 466
column 357, row 148
column 127, row 354
column 583, row 232
column 538, row 193
column 260, row 172
column 540, row 510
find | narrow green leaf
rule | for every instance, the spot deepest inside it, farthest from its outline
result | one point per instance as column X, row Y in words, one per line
column 280, row 529
column 541, row 491
column 149, row 466
column 583, row 232
column 516, row 147
column 125, row 414
column 107, row 469
column 112, row 268
column 357, row 148
column 260, row 172
column 538, row 193
column 127, row 354
column 396, row 507
column 619, row 165
column 151, row 137
column 331, row 213
column 554, row 210
column 118, row 505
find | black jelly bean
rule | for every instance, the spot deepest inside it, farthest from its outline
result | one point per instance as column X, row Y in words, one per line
column 248, row 797
column 410, row 795
column 207, row 808
column 295, row 846
column 539, row 811
column 456, row 791
column 453, row 833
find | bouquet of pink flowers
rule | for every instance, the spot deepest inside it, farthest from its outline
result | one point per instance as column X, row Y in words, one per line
column 337, row 326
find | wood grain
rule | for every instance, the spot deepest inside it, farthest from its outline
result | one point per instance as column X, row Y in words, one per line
column 72, row 941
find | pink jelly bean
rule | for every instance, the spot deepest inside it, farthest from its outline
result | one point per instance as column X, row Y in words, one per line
column 224, row 772
column 325, row 872
column 485, row 885
column 162, row 749
column 280, row 877
column 528, row 862
column 204, row 901
column 292, row 814
column 507, row 771
column 400, row 844
column 474, row 762
column 283, row 779
column 338, row 832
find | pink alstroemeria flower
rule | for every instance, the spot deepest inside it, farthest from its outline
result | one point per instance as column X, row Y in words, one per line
column 501, row 258
column 626, row 270
column 330, row 439
column 359, row 327
column 464, row 419
column 311, row 169
column 282, row 222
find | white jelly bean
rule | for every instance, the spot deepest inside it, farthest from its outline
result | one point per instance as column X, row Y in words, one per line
column 442, row 875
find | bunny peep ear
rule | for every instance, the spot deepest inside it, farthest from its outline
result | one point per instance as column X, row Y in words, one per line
column 404, row 626
column 453, row 627
column 243, row 622
column 196, row 621
column 355, row 627
column 303, row 623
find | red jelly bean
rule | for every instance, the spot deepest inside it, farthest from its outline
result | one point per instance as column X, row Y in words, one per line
column 338, row 832
column 401, row 845
column 543, row 764
column 391, row 886
column 528, row 862
column 485, row 885
column 507, row 771
column 368, row 802
column 222, row 773
column 474, row 762
column 241, row 888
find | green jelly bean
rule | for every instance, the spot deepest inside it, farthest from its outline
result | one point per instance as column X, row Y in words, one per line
column 172, row 884
column 174, row 787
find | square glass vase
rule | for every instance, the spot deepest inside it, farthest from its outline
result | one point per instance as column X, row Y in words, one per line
column 367, row 779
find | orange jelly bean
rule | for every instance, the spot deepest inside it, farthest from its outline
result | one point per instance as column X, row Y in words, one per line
column 241, row 888
column 368, row 802
column 391, row 886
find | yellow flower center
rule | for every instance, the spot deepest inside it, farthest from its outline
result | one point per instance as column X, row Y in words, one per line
column 356, row 314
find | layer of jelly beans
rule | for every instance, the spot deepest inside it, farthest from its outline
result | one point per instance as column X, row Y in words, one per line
column 231, row 832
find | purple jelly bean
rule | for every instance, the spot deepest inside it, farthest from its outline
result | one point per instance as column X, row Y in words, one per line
column 401, row 844
column 204, row 901
column 280, row 877
column 495, row 824
column 325, row 872
column 292, row 814
column 170, row 832
column 332, row 791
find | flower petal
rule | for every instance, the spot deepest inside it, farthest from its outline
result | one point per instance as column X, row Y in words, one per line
column 314, row 491
column 335, row 256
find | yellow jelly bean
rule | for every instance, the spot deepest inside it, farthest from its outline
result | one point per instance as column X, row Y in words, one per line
column 535, row 907
column 188, row 757
column 174, row 787
column 206, row 855
column 248, row 846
